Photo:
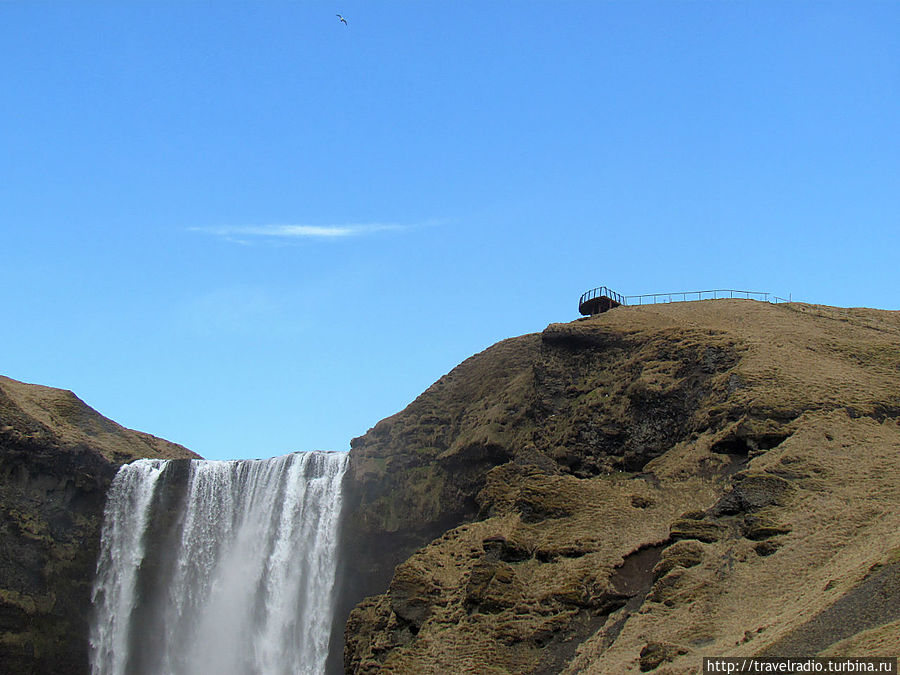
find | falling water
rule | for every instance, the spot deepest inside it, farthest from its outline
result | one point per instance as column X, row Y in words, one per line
column 238, row 581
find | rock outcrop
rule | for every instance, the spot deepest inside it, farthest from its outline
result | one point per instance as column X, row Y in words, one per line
column 57, row 458
column 633, row 491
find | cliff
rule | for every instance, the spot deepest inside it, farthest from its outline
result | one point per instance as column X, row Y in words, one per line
column 633, row 491
column 625, row 493
column 57, row 458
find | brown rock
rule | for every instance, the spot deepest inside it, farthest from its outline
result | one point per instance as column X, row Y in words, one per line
column 654, row 654
column 759, row 527
column 695, row 529
column 753, row 491
column 685, row 554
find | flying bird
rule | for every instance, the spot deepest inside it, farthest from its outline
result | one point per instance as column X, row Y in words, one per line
column 343, row 20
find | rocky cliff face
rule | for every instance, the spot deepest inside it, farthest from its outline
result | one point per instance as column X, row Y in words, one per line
column 57, row 458
column 633, row 491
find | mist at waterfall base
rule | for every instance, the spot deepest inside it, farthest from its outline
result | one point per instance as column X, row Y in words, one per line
column 221, row 567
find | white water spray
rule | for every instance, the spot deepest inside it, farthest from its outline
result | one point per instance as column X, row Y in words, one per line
column 247, row 586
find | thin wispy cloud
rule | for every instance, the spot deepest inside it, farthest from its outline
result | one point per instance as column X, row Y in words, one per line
column 245, row 234
column 234, row 310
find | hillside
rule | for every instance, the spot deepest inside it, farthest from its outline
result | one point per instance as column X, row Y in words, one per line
column 57, row 458
column 625, row 493
column 633, row 491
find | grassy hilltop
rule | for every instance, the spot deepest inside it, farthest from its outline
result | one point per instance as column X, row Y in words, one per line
column 634, row 491
column 57, row 459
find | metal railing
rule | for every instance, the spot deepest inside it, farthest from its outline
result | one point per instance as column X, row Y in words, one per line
column 681, row 296
column 684, row 296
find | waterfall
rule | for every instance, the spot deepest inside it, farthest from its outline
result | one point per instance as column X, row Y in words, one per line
column 228, row 570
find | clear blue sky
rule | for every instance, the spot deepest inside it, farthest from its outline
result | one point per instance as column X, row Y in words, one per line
column 250, row 229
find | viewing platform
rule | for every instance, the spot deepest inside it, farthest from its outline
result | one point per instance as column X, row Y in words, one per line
column 603, row 299
column 599, row 300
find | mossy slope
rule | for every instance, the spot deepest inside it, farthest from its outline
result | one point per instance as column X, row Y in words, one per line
column 633, row 491
column 57, row 458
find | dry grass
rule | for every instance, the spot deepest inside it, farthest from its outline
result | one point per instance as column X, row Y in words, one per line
column 58, row 417
column 811, row 394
